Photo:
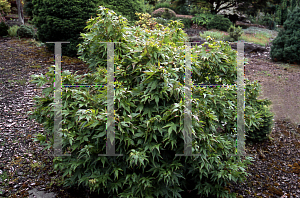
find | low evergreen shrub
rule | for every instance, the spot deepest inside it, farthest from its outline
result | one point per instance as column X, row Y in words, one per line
column 12, row 32
column 219, row 22
column 149, row 113
column 202, row 19
column 25, row 31
column 235, row 32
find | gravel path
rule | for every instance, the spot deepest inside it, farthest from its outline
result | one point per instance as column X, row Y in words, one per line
column 24, row 167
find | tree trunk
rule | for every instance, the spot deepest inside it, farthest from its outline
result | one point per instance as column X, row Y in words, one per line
column 20, row 12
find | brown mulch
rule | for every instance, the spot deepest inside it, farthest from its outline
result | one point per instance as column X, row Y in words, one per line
column 22, row 160
column 274, row 173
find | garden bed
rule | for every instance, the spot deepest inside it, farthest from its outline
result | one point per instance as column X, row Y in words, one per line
column 23, row 166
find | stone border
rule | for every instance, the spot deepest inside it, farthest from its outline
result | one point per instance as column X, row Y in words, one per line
column 184, row 16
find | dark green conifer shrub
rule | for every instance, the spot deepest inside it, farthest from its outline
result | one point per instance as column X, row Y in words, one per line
column 187, row 22
column 25, row 31
column 149, row 113
column 126, row 8
column 235, row 32
column 219, row 22
column 62, row 21
column 286, row 47
column 3, row 29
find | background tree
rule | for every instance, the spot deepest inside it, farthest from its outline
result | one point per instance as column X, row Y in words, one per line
column 153, row 2
column 283, row 7
column 181, row 6
column 272, row 6
column 20, row 11
column 4, row 7
column 242, row 5
column 215, row 6
column 28, row 7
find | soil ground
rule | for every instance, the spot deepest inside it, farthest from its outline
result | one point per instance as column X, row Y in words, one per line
column 279, row 83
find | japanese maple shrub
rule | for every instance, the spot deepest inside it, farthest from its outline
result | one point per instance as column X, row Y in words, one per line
column 149, row 113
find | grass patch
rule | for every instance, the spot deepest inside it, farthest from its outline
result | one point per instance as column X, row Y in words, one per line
column 251, row 35
column 215, row 34
column 257, row 38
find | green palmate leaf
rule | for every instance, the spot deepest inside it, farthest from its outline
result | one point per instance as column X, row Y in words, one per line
column 100, row 135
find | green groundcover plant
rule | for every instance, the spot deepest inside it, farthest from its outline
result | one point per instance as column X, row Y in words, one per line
column 149, row 113
column 202, row 19
column 12, row 31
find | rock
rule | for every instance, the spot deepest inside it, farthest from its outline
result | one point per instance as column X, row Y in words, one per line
column 249, row 24
column 197, row 41
column 246, row 21
column 16, row 186
column 34, row 193
column 250, row 47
